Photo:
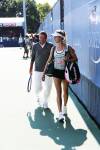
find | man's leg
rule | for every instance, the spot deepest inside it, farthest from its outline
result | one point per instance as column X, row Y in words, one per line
column 47, row 84
column 37, row 85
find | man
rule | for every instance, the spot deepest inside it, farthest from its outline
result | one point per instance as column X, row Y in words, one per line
column 26, row 46
column 40, row 54
column 20, row 41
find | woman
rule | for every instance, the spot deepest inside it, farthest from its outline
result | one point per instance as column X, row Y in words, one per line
column 60, row 55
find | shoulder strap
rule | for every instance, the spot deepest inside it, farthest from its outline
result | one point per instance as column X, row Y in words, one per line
column 66, row 52
column 53, row 49
column 70, row 49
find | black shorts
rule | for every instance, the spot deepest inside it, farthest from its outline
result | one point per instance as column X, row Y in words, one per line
column 59, row 74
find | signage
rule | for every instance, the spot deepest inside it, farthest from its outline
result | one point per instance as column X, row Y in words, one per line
column 9, row 24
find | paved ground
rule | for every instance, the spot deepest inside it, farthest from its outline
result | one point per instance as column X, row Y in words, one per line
column 39, row 130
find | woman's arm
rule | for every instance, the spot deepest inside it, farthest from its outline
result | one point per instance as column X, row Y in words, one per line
column 73, row 56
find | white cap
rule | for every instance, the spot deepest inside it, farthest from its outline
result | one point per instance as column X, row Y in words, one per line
column 60, row 33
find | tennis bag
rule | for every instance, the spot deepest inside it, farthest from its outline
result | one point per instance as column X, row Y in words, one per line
column 72, row 73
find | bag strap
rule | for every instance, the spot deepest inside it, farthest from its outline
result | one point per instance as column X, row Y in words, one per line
column 66, row 52
column 53, row 49
column 29, row 84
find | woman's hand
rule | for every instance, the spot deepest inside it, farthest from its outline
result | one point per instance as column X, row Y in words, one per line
column 43, row 77
column 66, row 58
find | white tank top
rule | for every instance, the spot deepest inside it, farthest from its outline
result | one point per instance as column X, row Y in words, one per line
column 59, row 62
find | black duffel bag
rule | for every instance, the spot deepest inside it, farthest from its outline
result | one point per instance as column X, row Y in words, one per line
column 50, row 66
column 50, row 69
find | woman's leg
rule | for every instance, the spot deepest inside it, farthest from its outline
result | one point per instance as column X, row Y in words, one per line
column 57, row 83
column 65, row 92
column 65, row 96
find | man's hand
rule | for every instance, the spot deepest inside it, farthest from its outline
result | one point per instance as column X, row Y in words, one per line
column 30, row 72
column 43, row 77
column 31, row 68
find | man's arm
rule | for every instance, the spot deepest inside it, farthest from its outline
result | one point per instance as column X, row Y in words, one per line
column 32, row 60
column 31, row 68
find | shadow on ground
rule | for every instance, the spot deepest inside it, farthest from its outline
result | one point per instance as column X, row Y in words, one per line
column 95, row 130
column 62, row 133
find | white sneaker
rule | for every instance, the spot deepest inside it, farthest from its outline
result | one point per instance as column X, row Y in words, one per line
column 45, row 105
column 64, row 110
column 61, row 117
